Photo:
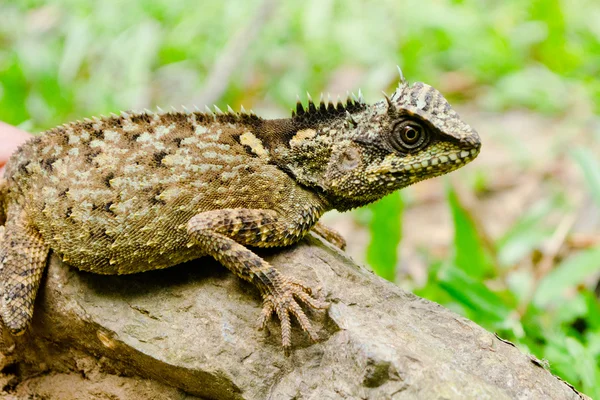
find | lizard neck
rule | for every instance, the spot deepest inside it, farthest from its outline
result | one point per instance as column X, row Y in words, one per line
column 302, row 150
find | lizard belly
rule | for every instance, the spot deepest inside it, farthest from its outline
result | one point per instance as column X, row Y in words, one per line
column 133, row 245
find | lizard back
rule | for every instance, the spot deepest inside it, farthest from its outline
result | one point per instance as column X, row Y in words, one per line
column 115, row 193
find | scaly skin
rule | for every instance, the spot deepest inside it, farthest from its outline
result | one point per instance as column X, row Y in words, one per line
column 144, row 191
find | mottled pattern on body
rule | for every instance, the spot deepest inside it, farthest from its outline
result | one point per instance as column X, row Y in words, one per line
column 124, row 188
column 143, row 191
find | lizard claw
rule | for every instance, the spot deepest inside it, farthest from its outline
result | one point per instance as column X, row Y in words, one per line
column 283, row 302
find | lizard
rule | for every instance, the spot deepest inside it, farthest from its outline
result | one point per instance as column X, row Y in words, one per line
column 142, row 191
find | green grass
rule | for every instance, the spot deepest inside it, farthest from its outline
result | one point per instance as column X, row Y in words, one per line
column 555, row 317
column 68, row 59
column 385, row 227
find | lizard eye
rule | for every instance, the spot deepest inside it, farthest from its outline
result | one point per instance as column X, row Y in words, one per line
column 409, row 136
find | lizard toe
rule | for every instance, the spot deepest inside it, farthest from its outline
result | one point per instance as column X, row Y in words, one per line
column 286, row 327
column 286, row 302
column 266, row 313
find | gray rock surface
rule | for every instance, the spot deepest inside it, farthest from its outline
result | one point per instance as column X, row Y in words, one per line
column 191, row 330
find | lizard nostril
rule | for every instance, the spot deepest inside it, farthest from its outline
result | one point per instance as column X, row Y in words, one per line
column 472, row 140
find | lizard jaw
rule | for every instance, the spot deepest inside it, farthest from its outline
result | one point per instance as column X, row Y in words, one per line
column 443, row 163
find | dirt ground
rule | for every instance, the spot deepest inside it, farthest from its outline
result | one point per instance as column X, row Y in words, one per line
column 87, row 380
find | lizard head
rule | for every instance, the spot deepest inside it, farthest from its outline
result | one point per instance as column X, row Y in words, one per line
column 357, row 153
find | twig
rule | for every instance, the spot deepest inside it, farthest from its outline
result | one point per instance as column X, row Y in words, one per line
column 233, row 53
column 550, row 252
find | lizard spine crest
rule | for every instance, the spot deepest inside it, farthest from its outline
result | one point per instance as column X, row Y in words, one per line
column 327, row 110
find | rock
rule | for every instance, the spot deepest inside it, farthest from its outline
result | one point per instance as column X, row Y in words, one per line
column 191, row 330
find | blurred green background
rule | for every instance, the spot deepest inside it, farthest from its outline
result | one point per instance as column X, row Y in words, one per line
column 511, row 241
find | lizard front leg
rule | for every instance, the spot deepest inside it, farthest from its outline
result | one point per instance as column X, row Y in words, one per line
column 22, row 261
column 222, row 234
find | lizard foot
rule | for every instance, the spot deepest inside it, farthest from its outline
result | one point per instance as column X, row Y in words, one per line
column 283, row 301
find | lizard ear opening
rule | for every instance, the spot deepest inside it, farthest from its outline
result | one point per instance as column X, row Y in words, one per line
column 349, row 159
column 343, row 166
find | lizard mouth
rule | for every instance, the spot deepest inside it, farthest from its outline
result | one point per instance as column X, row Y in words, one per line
column 440, row 164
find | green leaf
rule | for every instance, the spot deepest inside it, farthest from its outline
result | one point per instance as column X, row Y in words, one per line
column 593, row 342
column 593, row 309
column 571, row 272
column 520, row 283
column 527, row 234
column 469, row 253
column 473, row 294
column 561, row 361
column 585, row 365
column 567, row 312
column 431, row 290
column 386, row 231
column 591, row 170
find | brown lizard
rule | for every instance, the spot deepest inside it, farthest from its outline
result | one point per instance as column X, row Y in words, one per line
column 143, row 191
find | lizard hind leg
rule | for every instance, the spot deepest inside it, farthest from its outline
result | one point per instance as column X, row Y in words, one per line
column 22, row 261
column 330, row 235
